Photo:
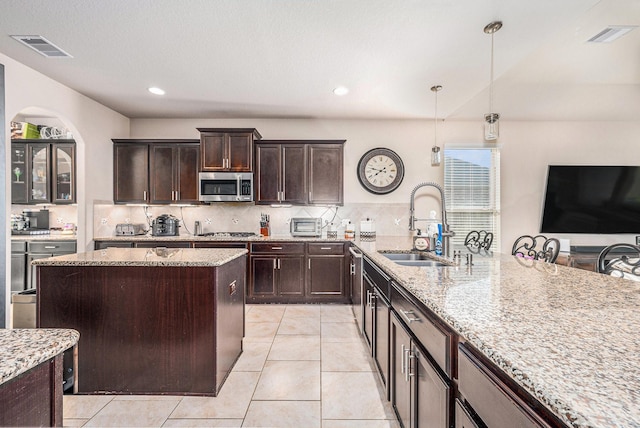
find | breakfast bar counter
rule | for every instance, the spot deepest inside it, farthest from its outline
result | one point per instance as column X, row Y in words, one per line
column 566, row 336
column 153, row 321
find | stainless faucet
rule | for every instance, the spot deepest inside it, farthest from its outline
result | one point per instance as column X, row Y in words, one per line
column 446, row 232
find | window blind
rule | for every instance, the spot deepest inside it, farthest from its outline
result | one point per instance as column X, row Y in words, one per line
column 472, row 191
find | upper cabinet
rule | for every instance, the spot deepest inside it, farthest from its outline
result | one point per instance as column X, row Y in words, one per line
column 155, row 171
column 227, row 149
column 43, row 171
column 299, row 172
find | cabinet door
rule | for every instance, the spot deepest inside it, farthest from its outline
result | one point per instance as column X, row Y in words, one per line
column 213, row 151
column 19, row 174
column 40, row 167
column 326, row 174
column 431, row 393
column 161, row 173
column 294, row 174
column 130, row 173
column 267, row 176
column 291, row 275
column 186, row 179
column 400, row 379
column 326, row 276
column 64, row 173
column 240, row 152
column 368, row 314
column 381, row 338
column 263, row 276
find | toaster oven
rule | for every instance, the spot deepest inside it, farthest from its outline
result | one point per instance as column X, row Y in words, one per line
column 306, row 226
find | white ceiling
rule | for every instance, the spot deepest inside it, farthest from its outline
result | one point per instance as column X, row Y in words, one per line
column 282, row 58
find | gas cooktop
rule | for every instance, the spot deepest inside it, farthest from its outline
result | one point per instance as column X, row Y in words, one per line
column 229, row 234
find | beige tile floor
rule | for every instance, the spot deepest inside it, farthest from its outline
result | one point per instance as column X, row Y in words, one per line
column 303, row 366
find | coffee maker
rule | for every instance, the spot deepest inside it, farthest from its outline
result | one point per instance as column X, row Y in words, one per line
column 37, row 220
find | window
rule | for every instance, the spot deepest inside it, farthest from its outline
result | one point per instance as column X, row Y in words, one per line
column 472, row 191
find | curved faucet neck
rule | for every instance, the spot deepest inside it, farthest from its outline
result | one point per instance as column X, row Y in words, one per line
column 412, row 219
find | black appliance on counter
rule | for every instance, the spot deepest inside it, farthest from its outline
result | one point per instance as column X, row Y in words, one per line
column 30, row 222
column 165, row 225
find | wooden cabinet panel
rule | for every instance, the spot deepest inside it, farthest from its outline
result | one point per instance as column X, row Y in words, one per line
column 463, row 418
column 400, row 379
column 488, row 396
column 431, row 393
column 381, row 338
column 326, row 276
column 294, row 172
column 268, row 173
column 19, row 173
column 263, row 277
column 296, row 248
column 186, row 173
column 63, row 174
column 291, row 275
column 227, row 149
column 326, row 174
column 326, row 248
column 161, row 173
column 130, row 173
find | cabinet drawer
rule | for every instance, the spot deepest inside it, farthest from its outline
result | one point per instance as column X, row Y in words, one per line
column 496, row 405
column 167, row 244
column 431, row 336
column 379, row 278
column 52, row 247
column 279, row 248
column 18, row 246
column 326, row 248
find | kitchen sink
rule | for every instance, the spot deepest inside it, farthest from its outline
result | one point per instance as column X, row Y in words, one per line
column 412, row 259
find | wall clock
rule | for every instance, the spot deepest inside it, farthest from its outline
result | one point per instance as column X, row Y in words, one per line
column 380, row 171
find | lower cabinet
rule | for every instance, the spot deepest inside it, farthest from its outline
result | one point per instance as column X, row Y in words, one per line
column 276, row 277
column 326, row 269
column 420, row 395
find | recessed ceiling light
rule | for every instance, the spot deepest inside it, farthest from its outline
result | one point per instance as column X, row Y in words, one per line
column 156, row 91
column 611, row 33
column 341, row 90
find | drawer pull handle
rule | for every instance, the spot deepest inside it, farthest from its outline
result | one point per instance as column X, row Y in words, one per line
column 405, row 360
column 50, row 247
column 325, row 248
column 276, row 248
column 406, row 316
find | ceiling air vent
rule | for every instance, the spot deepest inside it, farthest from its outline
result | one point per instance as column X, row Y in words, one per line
column 42, row 46
column 611, row 33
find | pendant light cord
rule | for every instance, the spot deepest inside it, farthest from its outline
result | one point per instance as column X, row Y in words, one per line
column 491, row 81
column 435, row 123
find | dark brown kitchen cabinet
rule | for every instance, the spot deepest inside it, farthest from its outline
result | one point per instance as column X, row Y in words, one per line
column 155, row 171
column 227, row 149
column 299, row 172
column 326, row 270
column 326, row 174
column 280, row 174
column 420, row 394
column 173, row 173
column 43, row 172
column 277, row 273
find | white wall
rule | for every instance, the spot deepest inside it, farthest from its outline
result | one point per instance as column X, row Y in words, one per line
column 93, row 125
column 526, row 150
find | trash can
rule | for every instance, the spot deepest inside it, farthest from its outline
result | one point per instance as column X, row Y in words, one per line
column 24, row 308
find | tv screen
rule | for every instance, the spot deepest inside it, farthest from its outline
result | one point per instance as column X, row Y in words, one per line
column 592, row 199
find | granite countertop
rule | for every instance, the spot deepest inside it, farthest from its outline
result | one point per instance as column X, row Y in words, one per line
column 55, row 237
column 567, row 336
column 181, row 257
column 257, row 238
column 23, row 349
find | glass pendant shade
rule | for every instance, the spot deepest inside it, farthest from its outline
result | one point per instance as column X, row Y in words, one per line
column 436, row 156
column 491, row 126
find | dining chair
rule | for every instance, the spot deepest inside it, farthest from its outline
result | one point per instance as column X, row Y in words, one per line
column 620, row 260
column 537, row 247
column 479, row 239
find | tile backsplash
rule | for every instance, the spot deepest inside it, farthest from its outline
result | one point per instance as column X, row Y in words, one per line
column 390, row 219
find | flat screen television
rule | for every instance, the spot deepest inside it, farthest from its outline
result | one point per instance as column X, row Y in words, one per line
column 592, row 199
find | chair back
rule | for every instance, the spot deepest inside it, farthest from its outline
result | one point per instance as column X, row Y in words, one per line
column 621, row 260
column 479, row 239
column 537, row 247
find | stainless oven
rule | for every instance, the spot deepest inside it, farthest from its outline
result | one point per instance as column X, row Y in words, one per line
column 306, row 227
column 225, row 186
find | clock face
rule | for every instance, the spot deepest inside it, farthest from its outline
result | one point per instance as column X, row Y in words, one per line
column 380, row 171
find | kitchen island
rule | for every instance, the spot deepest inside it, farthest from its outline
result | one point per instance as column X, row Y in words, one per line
column 563, row 337
column 31, row 375
column 153, row 321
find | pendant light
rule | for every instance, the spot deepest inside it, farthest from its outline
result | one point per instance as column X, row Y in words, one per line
column 491, row 119
column 436, row 154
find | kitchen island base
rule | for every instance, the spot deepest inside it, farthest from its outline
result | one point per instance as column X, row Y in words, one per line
column 174, row 330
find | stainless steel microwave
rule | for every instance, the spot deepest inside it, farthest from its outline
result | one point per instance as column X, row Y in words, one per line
column 225, row 186
column 306, row 226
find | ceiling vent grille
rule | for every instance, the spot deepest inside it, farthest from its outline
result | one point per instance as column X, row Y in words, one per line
column 611, row 33
column 42, row 46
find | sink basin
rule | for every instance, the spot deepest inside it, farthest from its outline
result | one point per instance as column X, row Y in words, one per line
column 412, row 259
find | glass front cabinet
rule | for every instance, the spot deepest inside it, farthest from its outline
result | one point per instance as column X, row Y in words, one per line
column 43, row 172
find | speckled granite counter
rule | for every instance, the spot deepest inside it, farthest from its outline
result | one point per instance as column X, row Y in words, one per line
column 54, row 237
column 23, row 349
column 189, row 238
column 568, row 336
column 146, row 257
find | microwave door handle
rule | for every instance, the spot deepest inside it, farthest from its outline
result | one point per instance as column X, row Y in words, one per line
column 239, row 188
